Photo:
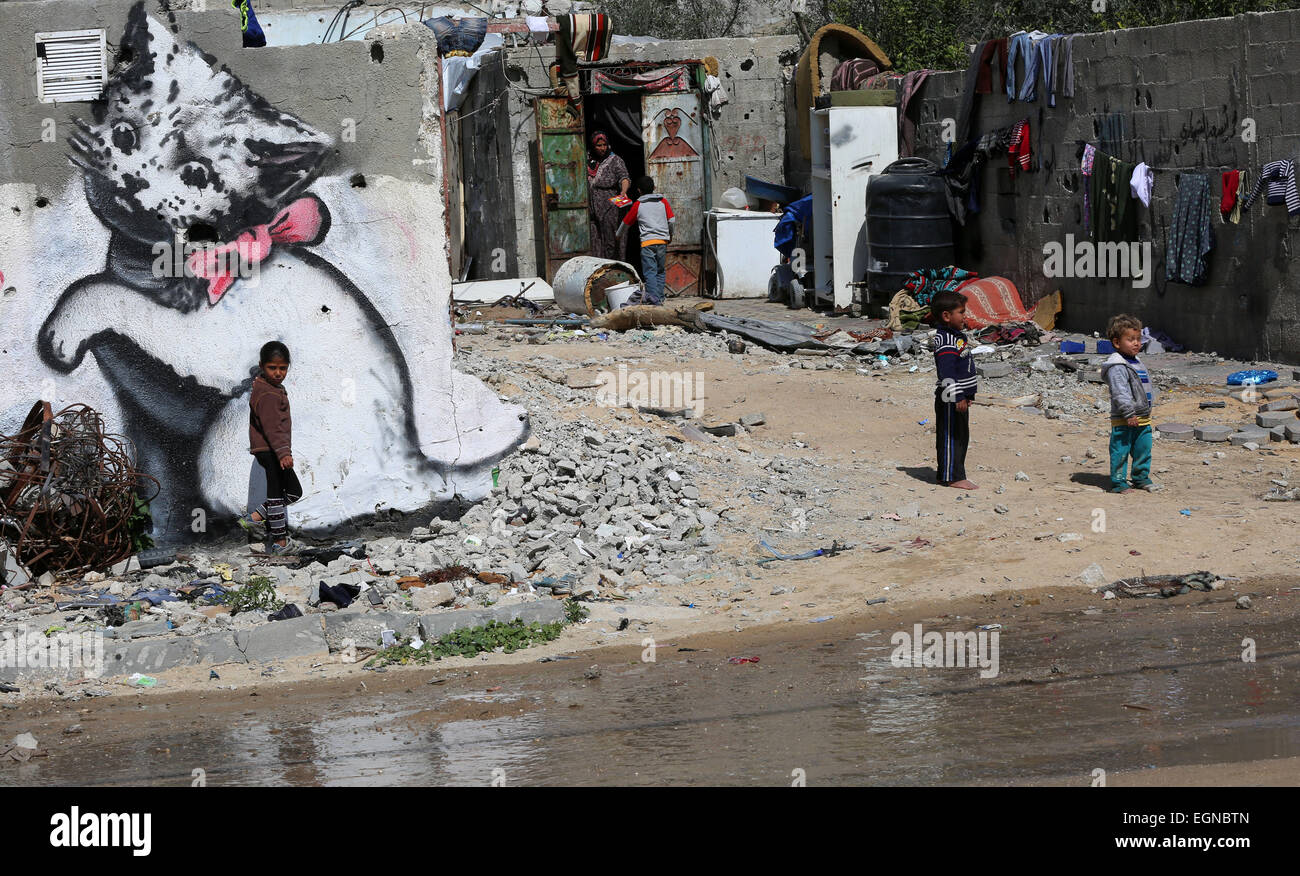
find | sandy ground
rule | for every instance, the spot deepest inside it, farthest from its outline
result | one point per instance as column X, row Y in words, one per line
column 873, row 457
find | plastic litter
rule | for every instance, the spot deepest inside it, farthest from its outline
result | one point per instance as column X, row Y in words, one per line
column 1251, row 376
column 289, row 611
column 831, row 551
column 823, row 619
column 138, row 680
column 738, row 660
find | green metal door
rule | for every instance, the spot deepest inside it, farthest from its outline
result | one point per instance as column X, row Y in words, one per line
column 562, row 154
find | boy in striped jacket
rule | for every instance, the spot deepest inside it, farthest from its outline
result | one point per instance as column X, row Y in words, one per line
column 954, row 390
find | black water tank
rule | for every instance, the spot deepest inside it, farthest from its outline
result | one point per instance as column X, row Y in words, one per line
column 908, row 225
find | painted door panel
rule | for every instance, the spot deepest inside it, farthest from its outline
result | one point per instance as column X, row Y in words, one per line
column 674, row 150
column 562, row 155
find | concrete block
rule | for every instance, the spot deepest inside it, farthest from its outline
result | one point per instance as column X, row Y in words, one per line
column 1293, row 431
column 1277, row 433
column 1269, row 419
column 364, row 628
column 148, row 657
column 995, row 369
column 217, row 648
column 1282, row 404
column 1247, row 436
column 544, row 611
column 1176, row 431
column 430, row 597
column 1214, row 433
column 296, row 637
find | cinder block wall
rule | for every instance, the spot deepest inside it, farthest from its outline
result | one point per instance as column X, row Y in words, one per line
column 1183, row 96
column 750, row 137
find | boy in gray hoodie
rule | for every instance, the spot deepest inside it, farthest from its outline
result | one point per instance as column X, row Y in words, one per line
column 1131, row 396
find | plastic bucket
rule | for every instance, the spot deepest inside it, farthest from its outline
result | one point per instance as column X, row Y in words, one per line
column 617, row 296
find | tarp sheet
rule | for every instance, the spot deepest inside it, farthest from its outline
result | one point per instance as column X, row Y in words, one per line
column 458, row 72
column 782, row 336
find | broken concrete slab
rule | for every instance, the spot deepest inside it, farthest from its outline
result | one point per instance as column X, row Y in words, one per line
column 1176, row 431
column 1214, row 433
column 1283, row 404
column 148, row 657
column 749, row 421
column 544, row 611
column 1269, row 419
column 1248, row 436
column 295, row 637
column 217, row 648
column 1293, row 431
column 431, row 597
column 995, row 369
column 12, row 572
column 364, row 628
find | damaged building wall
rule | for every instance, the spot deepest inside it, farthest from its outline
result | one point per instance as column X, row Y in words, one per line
column 1163, row 96
column 749, row 137
column 324, row 162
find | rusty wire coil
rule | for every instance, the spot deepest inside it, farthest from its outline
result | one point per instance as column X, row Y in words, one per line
column 68, row 490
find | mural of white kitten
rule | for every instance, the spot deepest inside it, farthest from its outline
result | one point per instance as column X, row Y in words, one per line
column 381, row 419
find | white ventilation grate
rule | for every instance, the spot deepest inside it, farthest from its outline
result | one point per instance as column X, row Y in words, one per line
column 70, row 65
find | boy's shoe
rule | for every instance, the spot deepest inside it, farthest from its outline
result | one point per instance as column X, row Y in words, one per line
column 1121, row 488
column 280, row 550
column 1150, row 487
column 248, row 524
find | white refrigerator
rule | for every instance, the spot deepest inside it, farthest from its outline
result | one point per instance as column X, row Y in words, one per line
column 850, row 144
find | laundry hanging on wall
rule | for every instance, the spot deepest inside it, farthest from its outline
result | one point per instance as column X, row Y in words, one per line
column 457, row 37
column 1279, row 177
column 1190, row 235
column 962, row 172
column 1234, row 184
column 583, row 38
column 1114, row 213
column 912, row 83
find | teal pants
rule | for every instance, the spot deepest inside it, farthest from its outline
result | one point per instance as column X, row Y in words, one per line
column 1126, row 441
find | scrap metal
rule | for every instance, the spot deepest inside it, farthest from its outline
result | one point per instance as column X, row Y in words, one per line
column 68, row 490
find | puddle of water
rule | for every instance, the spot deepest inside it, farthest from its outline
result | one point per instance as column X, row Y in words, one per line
column 841, row 715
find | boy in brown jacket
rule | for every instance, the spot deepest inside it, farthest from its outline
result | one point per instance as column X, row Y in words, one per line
column 270, row 440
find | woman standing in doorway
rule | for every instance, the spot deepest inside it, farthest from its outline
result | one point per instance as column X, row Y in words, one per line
column 607, row 178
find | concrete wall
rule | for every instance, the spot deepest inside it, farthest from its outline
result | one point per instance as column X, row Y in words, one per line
column 750, row 137
column 1186, row 96
column 96, row 308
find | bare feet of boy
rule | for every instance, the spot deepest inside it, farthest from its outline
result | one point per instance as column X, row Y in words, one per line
column 962, row 485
